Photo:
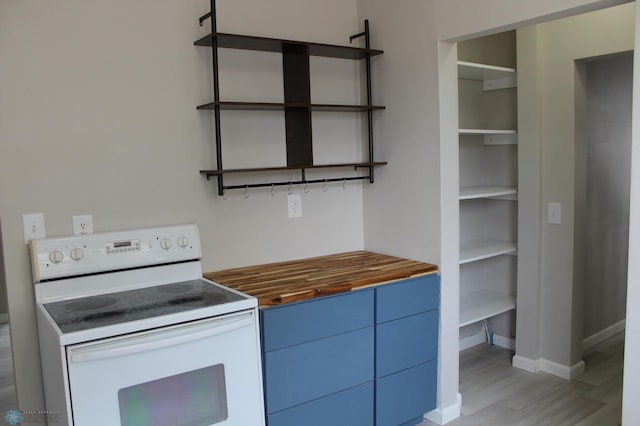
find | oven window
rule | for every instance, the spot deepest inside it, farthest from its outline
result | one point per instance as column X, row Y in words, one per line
column 193, row 398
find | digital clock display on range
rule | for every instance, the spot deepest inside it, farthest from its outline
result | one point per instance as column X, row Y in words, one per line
column 123, row 246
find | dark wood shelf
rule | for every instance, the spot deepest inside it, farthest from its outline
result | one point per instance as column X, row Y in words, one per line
column 264, row 44
column 285, row 168
column 277, row 106
column 296, row 104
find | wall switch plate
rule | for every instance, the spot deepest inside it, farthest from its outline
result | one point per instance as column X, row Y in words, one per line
column 295, row 205
column 554, row 213
column 83, row 224
column 33, row 226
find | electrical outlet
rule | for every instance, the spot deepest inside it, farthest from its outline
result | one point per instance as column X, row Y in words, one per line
column 33, row 226
column 295, row 205
column 83, row 224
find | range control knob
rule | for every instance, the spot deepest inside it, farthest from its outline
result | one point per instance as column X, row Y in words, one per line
column 56, row 256
column 77, row 254
column 183, row 241
column 165, row 243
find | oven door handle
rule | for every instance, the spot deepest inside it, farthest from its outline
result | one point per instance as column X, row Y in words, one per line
column 160, row 339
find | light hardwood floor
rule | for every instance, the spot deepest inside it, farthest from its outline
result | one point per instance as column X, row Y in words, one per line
column 493, row 392
column 7, row 388
column 497, row 394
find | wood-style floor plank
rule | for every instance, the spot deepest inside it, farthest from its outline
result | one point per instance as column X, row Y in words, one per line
column 496, row 393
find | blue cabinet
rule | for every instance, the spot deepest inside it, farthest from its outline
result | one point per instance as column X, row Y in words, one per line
column 351, row 407
column 406, row 342
column 406, row 395
column 311, row 370
column 301, row 322
column 367, row 357
column 407, row 323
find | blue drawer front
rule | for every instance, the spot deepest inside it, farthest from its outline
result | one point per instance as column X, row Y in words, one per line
column 406, row 395
column 302, row 322
column 407, row 297
column 301, row 373
column 406, row 342
column 352, row 407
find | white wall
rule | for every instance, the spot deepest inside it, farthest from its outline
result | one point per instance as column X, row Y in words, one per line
column 86, row 129
column 562, row 42
column 97, row 115
column 631, row 390
column 412, row 35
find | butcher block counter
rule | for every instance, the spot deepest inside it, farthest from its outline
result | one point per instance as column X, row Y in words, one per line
column 304, row 279
column 352, row 358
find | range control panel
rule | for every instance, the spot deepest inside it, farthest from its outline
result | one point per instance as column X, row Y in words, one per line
column 68, row 256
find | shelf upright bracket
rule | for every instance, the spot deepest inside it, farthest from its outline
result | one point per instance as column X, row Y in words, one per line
column 367, row 45
column 216, row 92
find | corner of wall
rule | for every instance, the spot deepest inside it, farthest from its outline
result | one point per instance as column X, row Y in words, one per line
column 444, row 415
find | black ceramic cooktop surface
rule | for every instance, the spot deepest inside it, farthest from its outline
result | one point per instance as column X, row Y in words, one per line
column 131, row 305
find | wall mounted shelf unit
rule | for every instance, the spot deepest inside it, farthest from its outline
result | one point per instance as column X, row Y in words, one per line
column 488, row 192
column 297, row 105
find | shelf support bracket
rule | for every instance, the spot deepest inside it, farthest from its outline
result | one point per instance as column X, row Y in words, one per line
column 204, row 18
column 216, row 90
column 367, row 42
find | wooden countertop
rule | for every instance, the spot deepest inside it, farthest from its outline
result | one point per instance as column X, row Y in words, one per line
column 292, row 281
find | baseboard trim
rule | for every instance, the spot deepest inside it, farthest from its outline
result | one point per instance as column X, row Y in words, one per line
column 564, row 371
column 541, row 364
column 4, row 318
column 603, row 335
column 504, row 342
column 526, row 364
column 480, row 338
column 471, row 341
column 442, row 416
column 560, row 370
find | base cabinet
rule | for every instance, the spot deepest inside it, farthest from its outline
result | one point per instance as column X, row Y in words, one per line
column 351, row 407
column 367, row 357
column 403, row 396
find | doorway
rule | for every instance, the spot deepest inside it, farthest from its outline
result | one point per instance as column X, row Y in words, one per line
column 603, row 170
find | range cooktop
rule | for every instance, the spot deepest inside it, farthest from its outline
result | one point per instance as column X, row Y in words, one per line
column 132, row 305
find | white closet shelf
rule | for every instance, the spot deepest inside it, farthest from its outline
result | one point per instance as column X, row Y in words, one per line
column 484, row 304
column 486, row 132
column 476, row 71
column 475, row 192
column 492, row 136
column 492, row 77
column 471, row 251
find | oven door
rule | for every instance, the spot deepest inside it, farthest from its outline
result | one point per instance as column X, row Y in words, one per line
column 204, row 372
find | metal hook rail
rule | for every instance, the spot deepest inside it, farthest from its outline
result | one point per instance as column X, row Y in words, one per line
column 296, row 182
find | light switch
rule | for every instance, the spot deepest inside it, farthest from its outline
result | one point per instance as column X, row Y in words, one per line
column 33, row 226
column 554, row 213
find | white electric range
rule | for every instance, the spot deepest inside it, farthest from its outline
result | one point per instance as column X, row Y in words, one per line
column 132, row 334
